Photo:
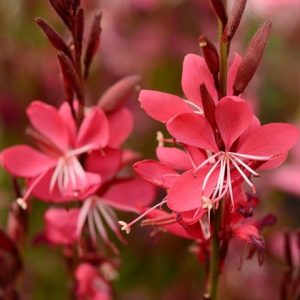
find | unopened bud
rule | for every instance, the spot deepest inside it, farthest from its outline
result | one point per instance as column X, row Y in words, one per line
column 55, row 39
column 252, row 58
column 208, row 106
column 210, row 54
column 220, row 10
column 235, row 17
column 117, row 94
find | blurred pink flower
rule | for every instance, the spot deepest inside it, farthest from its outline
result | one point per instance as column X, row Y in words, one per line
column 91, row 284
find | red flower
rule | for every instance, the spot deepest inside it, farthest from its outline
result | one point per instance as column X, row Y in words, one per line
column 233, row 158
column 55, row 172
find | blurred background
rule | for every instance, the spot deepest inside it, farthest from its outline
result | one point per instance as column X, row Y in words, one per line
column 151, row 38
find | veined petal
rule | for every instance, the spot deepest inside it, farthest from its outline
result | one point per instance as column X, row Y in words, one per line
column 24, row 161
column 194, row 130
column 232, row 73
column 156, row 172
column 194, row 73
column 66, row 115
column 162, row 106
column 94, row 130
column 105, row 163
column 47, row 121
column 233, row 117
column 186, row 192
column 271, row 139
column 173, row 157
column 132, row 194
column 120, row 126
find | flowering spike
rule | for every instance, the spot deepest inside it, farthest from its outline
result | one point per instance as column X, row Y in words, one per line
column 93, row 43
column 54, row 38
column 114, row 97
column 235, row 17
column 70, row 76
column 79, row 29
column 211, row 55
column 219, row 9
column 252, row 58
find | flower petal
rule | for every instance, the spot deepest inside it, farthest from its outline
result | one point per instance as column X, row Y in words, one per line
column 194, row 130
column 94, row 130
column 162, row 106
column 83, row 189
column 47, row 121
column 130, row 195
column 156, row 173
column 106, row 163
column 232, row 73
column 194, row 73
column 60, row 226
column 186, row 192
column 233, row 117
column 271, row 139
column 66, row 114
column 173, row 157
column 120, row 126
column 24, row 161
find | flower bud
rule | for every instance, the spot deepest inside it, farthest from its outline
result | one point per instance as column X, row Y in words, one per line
column 210, row 54
column 235, row 17
column 220, row 11
column 252, row 58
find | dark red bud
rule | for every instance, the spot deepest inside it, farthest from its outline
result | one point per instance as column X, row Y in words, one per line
column 79, row 29
column 210, row 54
column 70, row 76
column 220, row 10
column 235, row 17
column 252, row 58
column 208, row 106
column 288, row 250
column 55, row 39
column 117, row 94
column 93, row 44
column 60, row 7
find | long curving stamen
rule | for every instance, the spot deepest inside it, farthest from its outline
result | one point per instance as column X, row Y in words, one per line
column 207, row 161
column 243, row 175
column 230, row 184
column 244, row 165
column 127, row 226
column 208, row 175
column 199, row 109
column 251, row 157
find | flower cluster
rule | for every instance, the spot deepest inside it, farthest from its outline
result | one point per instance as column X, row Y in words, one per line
column 216, row 148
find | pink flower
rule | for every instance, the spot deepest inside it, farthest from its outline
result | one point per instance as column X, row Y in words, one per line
column 55, row 172
column 243, row 147
column 162, row 106
column 91, row 284
column 60, row 226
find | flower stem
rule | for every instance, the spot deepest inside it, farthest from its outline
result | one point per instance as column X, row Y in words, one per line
column 215, row 244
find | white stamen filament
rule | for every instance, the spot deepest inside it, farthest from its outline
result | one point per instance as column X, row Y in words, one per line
column 194, row 105
column 224, row 159
column 127, row 226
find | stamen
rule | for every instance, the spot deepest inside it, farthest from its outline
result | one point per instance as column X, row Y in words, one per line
column 22, row 203
column 209, row 174
column 207, row 161
column 252, row 157
column 245, row 165
column 127, row 226
column 230, row 185
column 194, row 105
column 244, row 175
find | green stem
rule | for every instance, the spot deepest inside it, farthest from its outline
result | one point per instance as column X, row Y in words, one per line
column 215, row 245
